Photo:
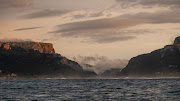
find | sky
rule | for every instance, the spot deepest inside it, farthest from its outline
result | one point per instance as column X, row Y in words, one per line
column 115, row 29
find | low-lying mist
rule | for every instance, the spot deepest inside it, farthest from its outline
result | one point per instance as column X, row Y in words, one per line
column 100, row 64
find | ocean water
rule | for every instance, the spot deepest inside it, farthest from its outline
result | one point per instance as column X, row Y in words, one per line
column 90, row 90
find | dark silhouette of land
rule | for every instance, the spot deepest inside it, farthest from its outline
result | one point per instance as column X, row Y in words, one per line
column 163, row 62
column 33, row 59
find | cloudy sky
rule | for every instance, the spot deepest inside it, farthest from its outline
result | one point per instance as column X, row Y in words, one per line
column 116, row 29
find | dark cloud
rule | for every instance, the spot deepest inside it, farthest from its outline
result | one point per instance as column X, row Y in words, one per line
column 111, row 36
column 106, row 30
column 5, row 4
column 160, row 2
column 149, row 3
column 96, row 14
column 171, row 15
column 100, row 64
column 110, row 39
column 104, row 23
column 31, row 28
column 88, row 15
column 79, row 16
column 156, row 17
column 126, row 3
column 46, row 13
column 10, row 8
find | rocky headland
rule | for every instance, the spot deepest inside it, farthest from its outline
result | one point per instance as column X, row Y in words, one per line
column 163, row 62
column 34, row 59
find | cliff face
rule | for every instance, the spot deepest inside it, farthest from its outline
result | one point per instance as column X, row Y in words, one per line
column 28, row 46
column 34, row 59
column 162, row 62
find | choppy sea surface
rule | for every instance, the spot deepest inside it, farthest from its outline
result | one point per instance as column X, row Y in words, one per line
column 90, row 90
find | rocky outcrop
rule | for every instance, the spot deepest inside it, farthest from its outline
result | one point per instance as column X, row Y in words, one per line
column 177, row 41
column 74, row 65
column 28, row 47
column 162, row 62
column 32, row 59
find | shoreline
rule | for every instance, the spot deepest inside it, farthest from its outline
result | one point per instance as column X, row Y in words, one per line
column 133, row 78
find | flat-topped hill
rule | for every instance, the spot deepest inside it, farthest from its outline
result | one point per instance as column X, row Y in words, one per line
column 28, row 47
column 35, row 59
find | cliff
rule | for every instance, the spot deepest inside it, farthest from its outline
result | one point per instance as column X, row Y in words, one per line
column 34, row 59
column 28, row 47
column 164, row 62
